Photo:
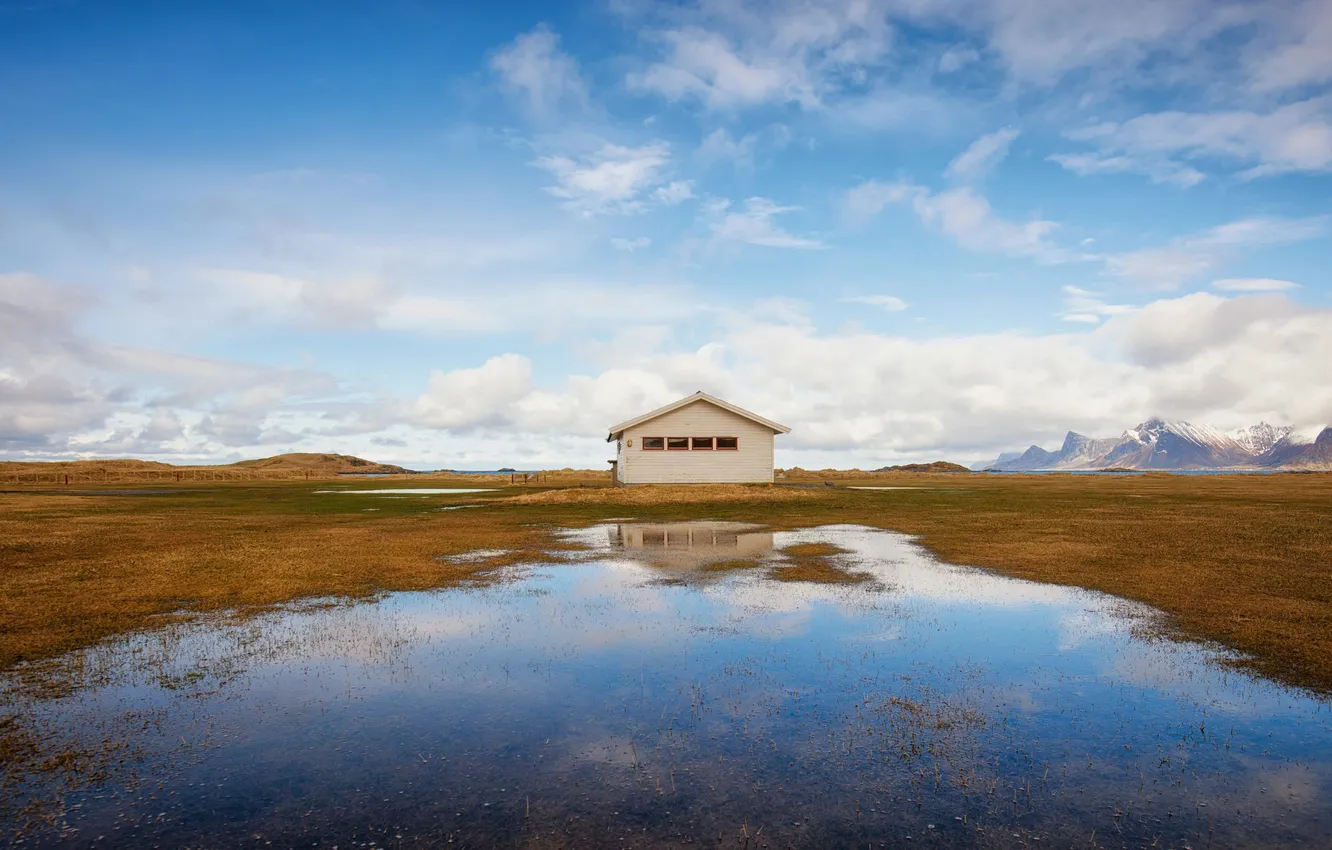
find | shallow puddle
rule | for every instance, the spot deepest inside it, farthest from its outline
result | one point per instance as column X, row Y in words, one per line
column 592, row 703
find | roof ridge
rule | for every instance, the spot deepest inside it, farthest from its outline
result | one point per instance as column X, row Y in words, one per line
column 689, row 399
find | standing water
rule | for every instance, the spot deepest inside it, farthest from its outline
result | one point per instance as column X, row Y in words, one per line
column 655, row 693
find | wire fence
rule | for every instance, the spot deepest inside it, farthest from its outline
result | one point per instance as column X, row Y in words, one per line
column 60, row 477
column 63, row 478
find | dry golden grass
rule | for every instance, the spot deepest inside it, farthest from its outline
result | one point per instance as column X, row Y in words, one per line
column 813, row 562
column 76, row 569
column 1245, row 560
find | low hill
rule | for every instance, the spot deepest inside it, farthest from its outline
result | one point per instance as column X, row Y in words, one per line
column 298, row 462
column 322, row 463
column 935, row 467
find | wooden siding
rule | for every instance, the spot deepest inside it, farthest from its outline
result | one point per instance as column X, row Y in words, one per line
column 620, row 461
column 750, row 464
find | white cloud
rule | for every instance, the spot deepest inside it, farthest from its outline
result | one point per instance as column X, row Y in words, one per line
column 270, row 297
column 706, row 66
column 465, row 305
column 1087, row 307
column 982, row 155
column 546, row 76
column 739, row 55
column 1159, row 170
column 890, row 109
column 61, row 391
column 719, row 146
column 1041, row 43
column 676, row 192
column 1301, row 53
column 1190, row 257
column 611, row 180
column 818, row 53
column 754, row 225
column 963, row 215
column 891, row 303
column 442, row 315
column 828, row 54
column 967, row 217
column 631, row 245
column 1253, row 284
column 550, row 306
column 1163, row 267
column 867, row 200
column 956, row 58
column 1292, row 138
column 463, row 399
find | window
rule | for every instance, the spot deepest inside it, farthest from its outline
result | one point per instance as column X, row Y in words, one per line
column 698, row 444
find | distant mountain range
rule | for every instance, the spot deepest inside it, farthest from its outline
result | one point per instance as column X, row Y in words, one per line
column 1163, row 444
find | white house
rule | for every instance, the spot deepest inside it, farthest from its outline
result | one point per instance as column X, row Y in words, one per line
column 699, row 439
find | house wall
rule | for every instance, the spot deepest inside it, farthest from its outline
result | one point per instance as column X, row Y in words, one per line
column 750, row 464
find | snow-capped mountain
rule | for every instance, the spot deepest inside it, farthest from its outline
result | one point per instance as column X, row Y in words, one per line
column 1160, row 444
column 1260, row 438
column 1300, row 448
column 1166, row 444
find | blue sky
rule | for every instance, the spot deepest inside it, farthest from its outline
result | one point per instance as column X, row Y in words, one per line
column 461, row 237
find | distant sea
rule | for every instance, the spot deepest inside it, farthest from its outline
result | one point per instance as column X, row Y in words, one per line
column 489, row 471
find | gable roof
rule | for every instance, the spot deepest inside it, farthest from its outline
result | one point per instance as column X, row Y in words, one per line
column 617, row 430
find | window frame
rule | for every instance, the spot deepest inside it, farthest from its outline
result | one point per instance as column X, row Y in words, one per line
column 671, row 448
column 712, row 444
column 643, row 444
column 720, row 448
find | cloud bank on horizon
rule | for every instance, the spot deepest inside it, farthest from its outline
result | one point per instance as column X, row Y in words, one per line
column 448, row 238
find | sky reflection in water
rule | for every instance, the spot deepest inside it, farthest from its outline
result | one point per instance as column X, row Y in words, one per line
column 640, row 699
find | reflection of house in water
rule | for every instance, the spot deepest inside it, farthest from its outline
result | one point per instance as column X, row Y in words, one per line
column 686, row 544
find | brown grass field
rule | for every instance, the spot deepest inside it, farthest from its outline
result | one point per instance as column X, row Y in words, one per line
column 1243, row 560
